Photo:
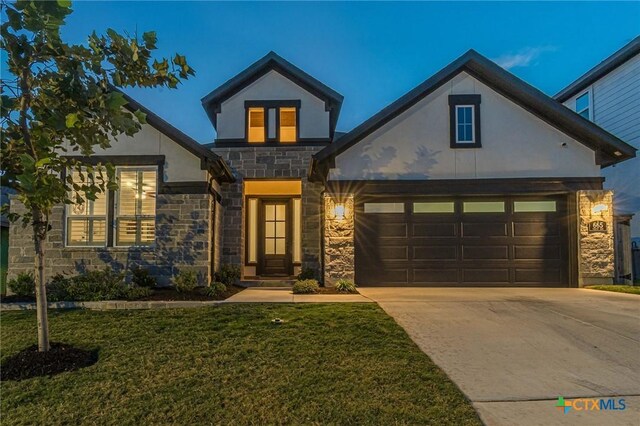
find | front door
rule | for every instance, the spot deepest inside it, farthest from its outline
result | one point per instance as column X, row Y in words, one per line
column 274, row 238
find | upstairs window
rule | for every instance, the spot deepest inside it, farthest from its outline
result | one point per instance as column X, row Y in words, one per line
column 464, row 117
column 583, row 105
column 256, row 128
column 136, row 206
column 87, row 221
column 288, row 126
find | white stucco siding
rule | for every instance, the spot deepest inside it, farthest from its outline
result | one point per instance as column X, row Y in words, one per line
column 416, row 144
column 180, row 164
column 273, row 86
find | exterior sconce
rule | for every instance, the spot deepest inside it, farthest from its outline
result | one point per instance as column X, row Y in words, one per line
column 339, row 211
column 599, row 208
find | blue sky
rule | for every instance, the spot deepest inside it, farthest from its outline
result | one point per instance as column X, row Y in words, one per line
column 371, row 53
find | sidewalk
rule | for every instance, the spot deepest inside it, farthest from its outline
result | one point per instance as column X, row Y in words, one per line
column 284, row 295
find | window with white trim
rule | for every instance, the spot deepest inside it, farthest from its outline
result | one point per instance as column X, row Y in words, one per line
column 86, row 220
column 464, row 124
column 135, row 209
column 464, row 121
column 583, row 105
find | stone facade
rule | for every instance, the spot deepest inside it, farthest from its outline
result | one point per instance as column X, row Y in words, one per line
column 595, row 242
column 339, row 233
column 183, row 241
column 270, row 163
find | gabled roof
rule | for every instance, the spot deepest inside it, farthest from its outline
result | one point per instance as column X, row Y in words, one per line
column 627, row 52
column 610, row 149
column 209, row 160
column 272, row 61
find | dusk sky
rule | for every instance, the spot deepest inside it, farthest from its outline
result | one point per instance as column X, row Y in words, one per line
column 372, row 53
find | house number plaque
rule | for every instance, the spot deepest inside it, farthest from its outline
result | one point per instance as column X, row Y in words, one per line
column 597, row 226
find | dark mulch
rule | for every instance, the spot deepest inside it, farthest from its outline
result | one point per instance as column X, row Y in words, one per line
column 332, row 290
column 170, row 294
column 17, row 299
column 31, row 363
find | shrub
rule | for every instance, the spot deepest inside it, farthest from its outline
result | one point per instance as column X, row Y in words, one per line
column 307, row 274
column 185, row 281
column 345, row 286
column 58, row 288
column 306, row 287
column 228, row 274
column 102, row 284
column 136, row 293
column 216, row 289
column 23, row 285
column 141, row 277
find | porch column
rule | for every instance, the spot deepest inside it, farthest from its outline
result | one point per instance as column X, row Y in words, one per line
column 595, row 237
column 339, row 251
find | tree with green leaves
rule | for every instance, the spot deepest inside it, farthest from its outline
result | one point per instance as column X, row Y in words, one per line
column 61, row 100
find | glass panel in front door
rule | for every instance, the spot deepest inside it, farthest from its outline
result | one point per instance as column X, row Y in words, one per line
column 275, row 229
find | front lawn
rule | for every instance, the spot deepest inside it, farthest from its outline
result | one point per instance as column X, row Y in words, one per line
column 617, row 288
column 327, row 364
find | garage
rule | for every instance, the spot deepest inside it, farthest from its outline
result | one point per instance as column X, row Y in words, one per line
column 462, row 241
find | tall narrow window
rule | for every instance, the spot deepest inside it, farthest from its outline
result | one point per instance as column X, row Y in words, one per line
column 256, row 126
column 136, row 206
column 288, row 124
column 297, row 230
column 86, row 222
column 582, row 105
column 464, row 123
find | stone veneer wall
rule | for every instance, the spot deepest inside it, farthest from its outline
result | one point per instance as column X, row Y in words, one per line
column 595, row 249
column 270, row 163
column 182, row 242
column 339, row 233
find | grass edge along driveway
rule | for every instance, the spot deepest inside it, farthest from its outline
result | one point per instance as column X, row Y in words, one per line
column 629, row 289
column 327, row 364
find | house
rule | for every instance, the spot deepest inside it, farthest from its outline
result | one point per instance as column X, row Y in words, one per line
column 473, row 178
column 609, row 95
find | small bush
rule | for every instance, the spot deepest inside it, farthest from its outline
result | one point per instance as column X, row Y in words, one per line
column 58, row 289
column 345, row 286
column 228, row 274
column 102, row 284
column 307, row 274
column 141, row 277
column 306, row 287
column 23, row 285
column 137, row 293
column 216, row 289
column 186, row 281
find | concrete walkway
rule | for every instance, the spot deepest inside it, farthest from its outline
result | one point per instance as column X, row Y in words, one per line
column 284, row 295
column 513, row 352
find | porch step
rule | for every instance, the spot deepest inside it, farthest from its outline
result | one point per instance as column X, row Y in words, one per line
column 270, row 283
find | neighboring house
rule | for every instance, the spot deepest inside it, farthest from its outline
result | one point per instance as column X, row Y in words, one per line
column 609, row 95
column 473, row 178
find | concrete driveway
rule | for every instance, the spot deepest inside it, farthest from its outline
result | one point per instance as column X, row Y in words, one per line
column 513, row 352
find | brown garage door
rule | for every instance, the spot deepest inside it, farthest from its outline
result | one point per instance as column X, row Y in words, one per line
column 466, row 241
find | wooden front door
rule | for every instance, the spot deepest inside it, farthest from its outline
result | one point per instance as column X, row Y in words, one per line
column 274, row 237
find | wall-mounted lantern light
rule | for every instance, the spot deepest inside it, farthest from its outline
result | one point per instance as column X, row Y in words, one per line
column 339, row 211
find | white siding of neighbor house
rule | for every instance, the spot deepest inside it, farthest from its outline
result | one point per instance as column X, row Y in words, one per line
column 273, row 86
column 515, row 143
column 180, row 164
column 616, row 108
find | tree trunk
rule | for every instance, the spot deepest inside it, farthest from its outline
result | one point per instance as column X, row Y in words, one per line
column 39, row 235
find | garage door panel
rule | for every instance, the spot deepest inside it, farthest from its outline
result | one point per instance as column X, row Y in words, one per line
column 535, row 229
column 541, row 273
column 435, row 276
column 484, row 229
column 535, row 252
column 391, row 230
column 482, row 275
column 434, row 252
column 493, row 252
column 435, row 230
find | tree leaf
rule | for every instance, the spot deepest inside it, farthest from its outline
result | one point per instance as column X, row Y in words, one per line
column 116, row 100
column 71, row 120
column 141, row 116
column 64, row 3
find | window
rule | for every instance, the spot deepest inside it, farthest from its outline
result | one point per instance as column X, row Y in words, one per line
column 86, row 222
column 483, row 207
column 384, row 207
column 275, row 229
column 464, row 123
column 136, row 206
column 464, row 117
column 534, row 206
column 434, row 207
column 582, row 105
column 288, row 131
column 257, row 129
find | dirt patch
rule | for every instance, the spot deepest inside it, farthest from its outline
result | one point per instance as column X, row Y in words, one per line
column 31, row 363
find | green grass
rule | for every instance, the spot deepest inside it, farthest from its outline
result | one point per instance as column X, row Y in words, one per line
column 328, row 364
column 617, row 288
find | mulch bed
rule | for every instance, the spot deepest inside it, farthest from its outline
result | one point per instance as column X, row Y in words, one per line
column 332, row 290
column 60, row 358
column 170, row 294
column 17, row 299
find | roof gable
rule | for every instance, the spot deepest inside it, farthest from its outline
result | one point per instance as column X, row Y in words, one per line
column 611, row 149
column 627, row 52
column 272, row 61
